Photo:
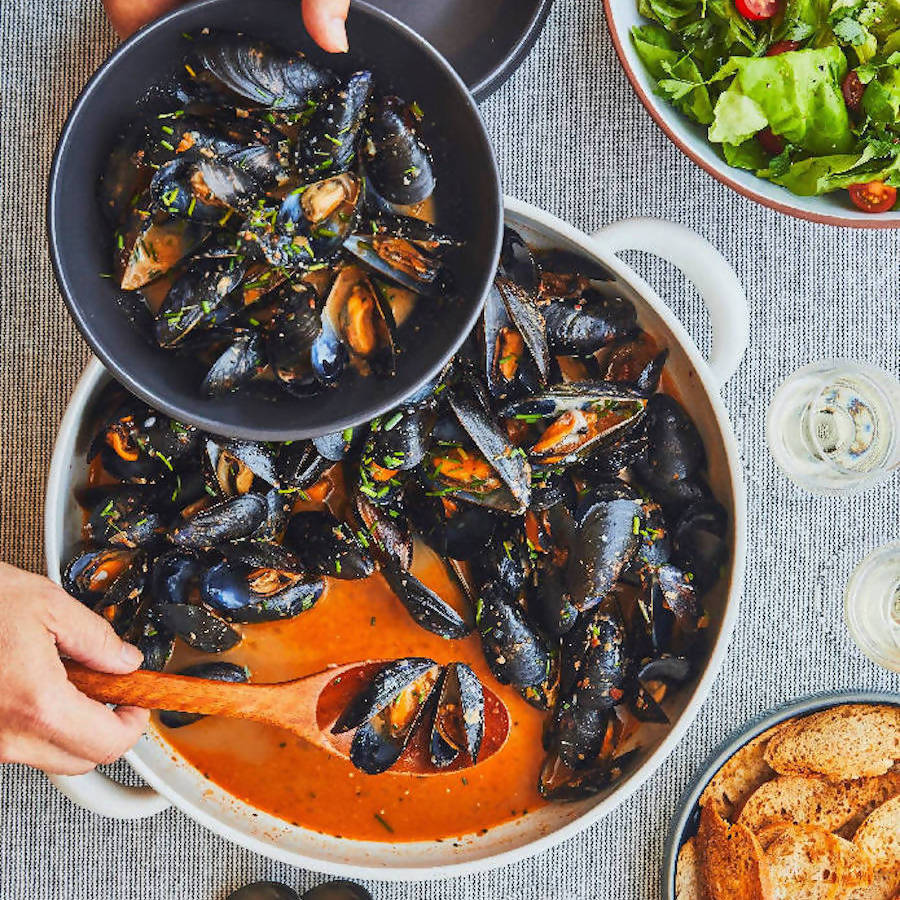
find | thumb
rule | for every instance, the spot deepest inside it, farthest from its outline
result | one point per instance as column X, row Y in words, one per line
column 88, row 638
column 324, row 20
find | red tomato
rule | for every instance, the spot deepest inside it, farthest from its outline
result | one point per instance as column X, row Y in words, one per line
column 873, row 196
column 782, row 47
column 772, row 143
column 757, row 9
column 852, row 89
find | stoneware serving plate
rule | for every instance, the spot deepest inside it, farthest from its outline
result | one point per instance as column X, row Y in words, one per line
column 172, row 781
column 468, row 200
column 686, row 821
column 690, row 137
column 484, row 41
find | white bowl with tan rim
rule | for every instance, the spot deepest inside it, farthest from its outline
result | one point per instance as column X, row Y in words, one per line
column 835, row 208
column 171, row 780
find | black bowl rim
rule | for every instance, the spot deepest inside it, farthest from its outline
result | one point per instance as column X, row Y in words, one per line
column 508, row 66
column 738, row 738
column 390, row 398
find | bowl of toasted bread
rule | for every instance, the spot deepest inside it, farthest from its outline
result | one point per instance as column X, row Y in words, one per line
column 802, row 804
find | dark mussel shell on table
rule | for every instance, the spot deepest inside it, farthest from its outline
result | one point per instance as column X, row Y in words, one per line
column 271, row 213
column 561, row 488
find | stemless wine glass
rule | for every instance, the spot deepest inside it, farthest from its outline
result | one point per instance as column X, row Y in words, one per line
column 872, row 606
column 834, row 426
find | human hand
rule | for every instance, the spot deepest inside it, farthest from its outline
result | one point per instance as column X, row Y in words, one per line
column 324, row 19
column 45, row 721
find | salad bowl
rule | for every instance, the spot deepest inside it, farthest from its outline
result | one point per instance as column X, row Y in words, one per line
column 172, row 780
column 691, row 138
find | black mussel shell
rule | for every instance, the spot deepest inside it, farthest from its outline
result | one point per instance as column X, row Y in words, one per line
column 340, row 445
column 550, row 604
column 216, row 671
column 701, row 542
column 428, row 609
column 401, row 438
column 578, row 734
column 156, row 247
column 589, row 782
column 299, row 465
column 603, row 655
column 91, row 573
column 583, row 328
column 239, row 364
column 333, row 890
column 328, row 142
column 566, row 262
column 396, row 159
column 517, row 263
column 327, row 546
column 256, row 457
column 514, row 650
column 260, row 73
column 264, row 890
column 175, row 575
column 675, row 448
column 458, row 724
column 198, row 627
column 232, row 519
column 607, row 539
column 386, row 533
column 124, row 518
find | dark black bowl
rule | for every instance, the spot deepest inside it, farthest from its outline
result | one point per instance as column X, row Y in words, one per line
column 468, row 200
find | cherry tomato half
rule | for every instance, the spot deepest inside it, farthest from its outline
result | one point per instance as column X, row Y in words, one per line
column 852, row 89
column 757, row 9
column 782, row 47
column 772, row 143
column 873, row 196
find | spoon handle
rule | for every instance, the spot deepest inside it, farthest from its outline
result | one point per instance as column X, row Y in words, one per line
column 161, row 690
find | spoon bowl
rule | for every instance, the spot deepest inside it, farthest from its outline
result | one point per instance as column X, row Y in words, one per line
column 307, row 706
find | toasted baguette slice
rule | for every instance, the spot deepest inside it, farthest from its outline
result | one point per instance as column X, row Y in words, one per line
column 688, row 883
column 855, row 740
column 732, row 864
column 805, row 864
column 740, row 776
column 879, row 836
column 814, row 801
column 884, row 886
column 872, row 792
column 856, row 867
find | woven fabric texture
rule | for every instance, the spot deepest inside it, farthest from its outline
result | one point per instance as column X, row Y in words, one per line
column 572, row 138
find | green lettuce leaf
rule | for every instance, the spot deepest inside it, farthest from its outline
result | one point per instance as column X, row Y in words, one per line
column 677, row 76
column 796, row 94
column 881, row 100
column 819, row 175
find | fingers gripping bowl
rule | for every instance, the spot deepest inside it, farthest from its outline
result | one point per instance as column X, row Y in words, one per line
column 547, row 824
column 236, row 141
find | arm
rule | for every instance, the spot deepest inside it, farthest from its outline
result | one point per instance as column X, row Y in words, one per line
column 45, row 721
column 324, row 19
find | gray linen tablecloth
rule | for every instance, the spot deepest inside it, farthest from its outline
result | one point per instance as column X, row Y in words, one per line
column 571, row 137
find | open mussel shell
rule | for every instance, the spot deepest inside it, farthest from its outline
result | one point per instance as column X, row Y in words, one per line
column 400, row 260
column 458, row 725
column 124, row 517
column 215, row 671
column 386, row 713
column 92, row 572
column 236, row 463
column 232, row 519
column 258, row 72
column 326, row 546
column 357, row 323
column 676, row 615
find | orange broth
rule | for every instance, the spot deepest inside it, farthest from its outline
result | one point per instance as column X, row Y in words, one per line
column 277, row 772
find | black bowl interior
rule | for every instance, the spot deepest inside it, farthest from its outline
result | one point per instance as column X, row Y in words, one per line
column 468, row 202
column 485, row 40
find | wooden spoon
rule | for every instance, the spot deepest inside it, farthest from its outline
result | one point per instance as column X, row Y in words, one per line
column 306, row 706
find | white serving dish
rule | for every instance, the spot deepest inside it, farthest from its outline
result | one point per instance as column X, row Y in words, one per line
column 172, row 781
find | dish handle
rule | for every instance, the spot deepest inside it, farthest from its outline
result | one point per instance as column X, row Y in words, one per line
column 710, row 272
column 100, row 794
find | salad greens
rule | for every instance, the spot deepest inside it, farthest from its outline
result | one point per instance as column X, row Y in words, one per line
column 808, row 98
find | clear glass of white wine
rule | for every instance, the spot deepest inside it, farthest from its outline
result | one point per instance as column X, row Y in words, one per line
column 834, row 426
column 872, row 606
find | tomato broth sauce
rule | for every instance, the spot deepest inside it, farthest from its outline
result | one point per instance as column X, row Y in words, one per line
column 275, row 771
